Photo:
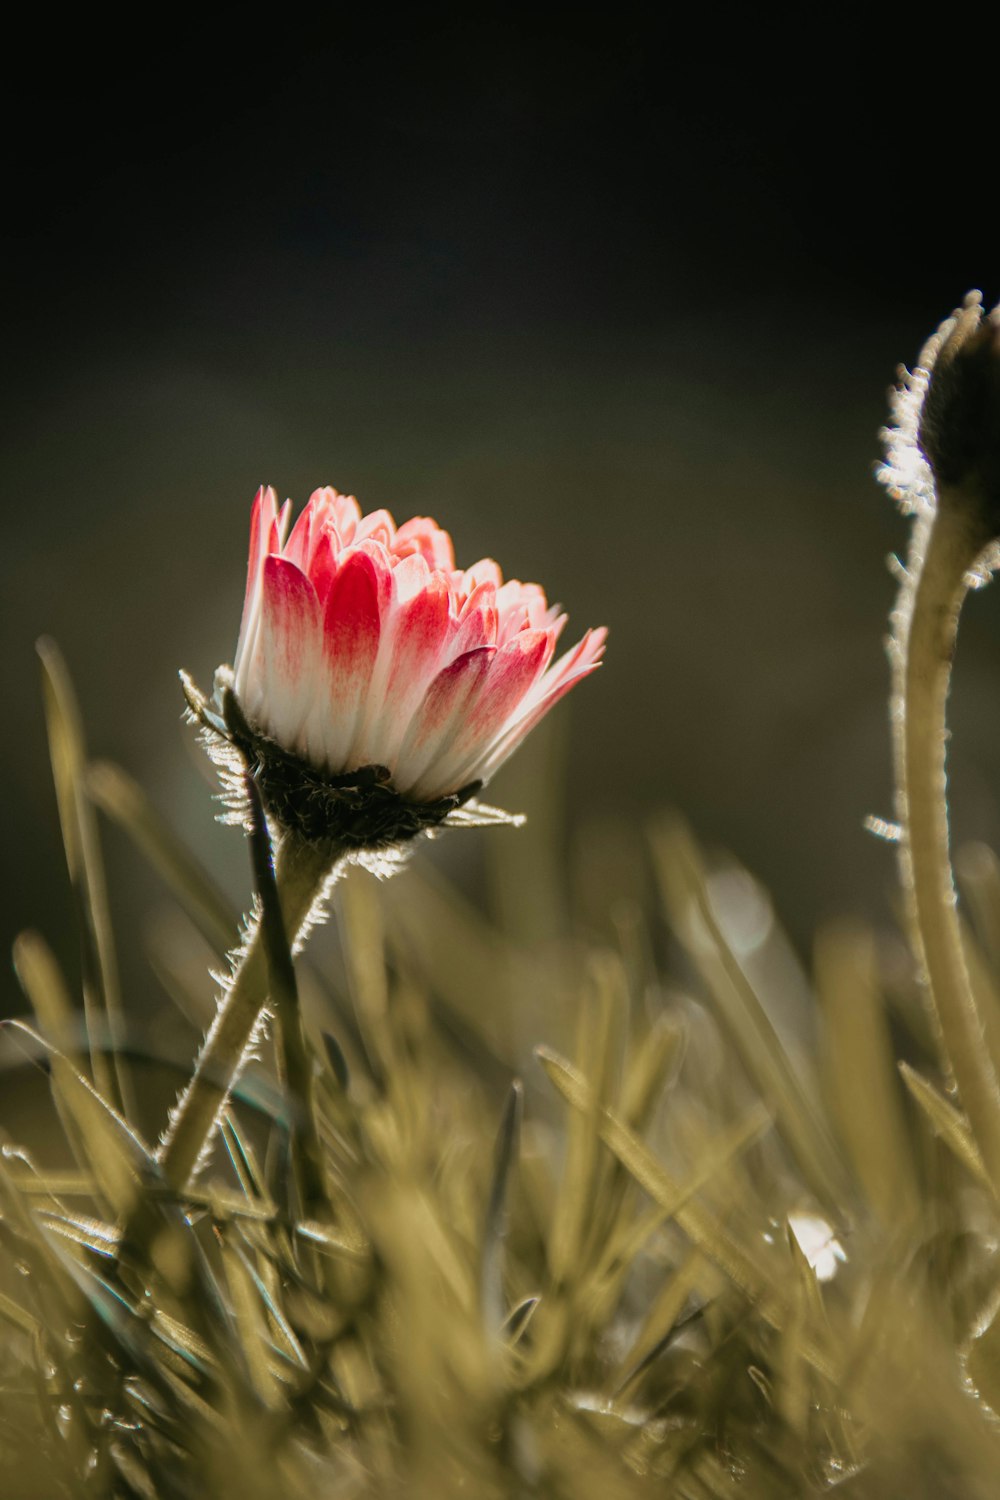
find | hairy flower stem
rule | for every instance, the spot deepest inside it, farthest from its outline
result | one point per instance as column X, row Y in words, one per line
column 292, row 1053
column 301, row 870
column 950, row 546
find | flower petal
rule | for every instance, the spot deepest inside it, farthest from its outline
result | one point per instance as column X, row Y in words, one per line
column 484, row 571
column 477, row 623
column 511, row 674
column 436, row 721
column 584, row 658
column 351, row 633
column 262, row 531
column 286, row 667
column 346, row 514
column 415, row 638
column 298, row 548
column 426, row 537
column 322, row 567
column 378, row 527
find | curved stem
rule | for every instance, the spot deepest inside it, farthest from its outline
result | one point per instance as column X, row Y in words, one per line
column 301, row 870
column 951, row 546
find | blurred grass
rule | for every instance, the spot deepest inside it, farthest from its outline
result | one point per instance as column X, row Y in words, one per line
column 558, row 1247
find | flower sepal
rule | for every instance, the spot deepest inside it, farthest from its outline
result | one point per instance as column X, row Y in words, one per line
column 354, row 811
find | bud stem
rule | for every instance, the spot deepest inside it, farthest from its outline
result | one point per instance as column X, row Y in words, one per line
column 945, row 548
column 301, row 870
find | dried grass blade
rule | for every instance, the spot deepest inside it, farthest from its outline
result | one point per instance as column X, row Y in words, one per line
column 18, row 1316
column 113, row 1151
column 491, row 1297
column 984, row 991
column 360, row 920
column 254, row 1340
column 293, row 1351
column 116, row 1156
column 18, row 1225
column 647, row 1071
column 243, row 1158
column 337, row 1242
column 863, row 1077
column 126, row 804
column 102, row 997
column 55, row 1185
column 977, row 870
column 947, row 1122
column 682, row 880
column 574, row 1210
column 701, row 1226
column 662, row 1320
column 475, row 977
column 91, row 1234
column 518, row 1318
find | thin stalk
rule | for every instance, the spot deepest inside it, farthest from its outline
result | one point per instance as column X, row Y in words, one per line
column 293, row 1057
column 301, row 870
column 950, row 546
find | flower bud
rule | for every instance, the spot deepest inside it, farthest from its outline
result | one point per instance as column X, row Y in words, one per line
column 958, row 430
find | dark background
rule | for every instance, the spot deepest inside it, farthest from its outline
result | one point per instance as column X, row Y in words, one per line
column 619, row 307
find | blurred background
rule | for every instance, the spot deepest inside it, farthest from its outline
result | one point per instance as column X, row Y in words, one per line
column 618, row 307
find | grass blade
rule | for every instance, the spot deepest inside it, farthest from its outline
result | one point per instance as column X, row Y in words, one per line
column 113, row 1151
column 492, row 1264
column 122, row 800
column 742, row 1267
column 573, row 1215
column 947, row 1122
column 102, row 998
column 682, row 880
column 864, row 1081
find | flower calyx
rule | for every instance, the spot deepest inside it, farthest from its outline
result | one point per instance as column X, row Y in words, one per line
column 352, row 811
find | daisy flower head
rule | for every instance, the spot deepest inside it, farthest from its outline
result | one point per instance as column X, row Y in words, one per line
column 376, row 685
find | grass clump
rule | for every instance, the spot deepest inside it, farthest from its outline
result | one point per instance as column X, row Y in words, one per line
column 601, row 1277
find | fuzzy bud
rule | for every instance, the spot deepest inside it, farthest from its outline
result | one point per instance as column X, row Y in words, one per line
column 959, row 424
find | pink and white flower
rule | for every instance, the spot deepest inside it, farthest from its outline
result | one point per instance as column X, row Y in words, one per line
column 362, row 644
